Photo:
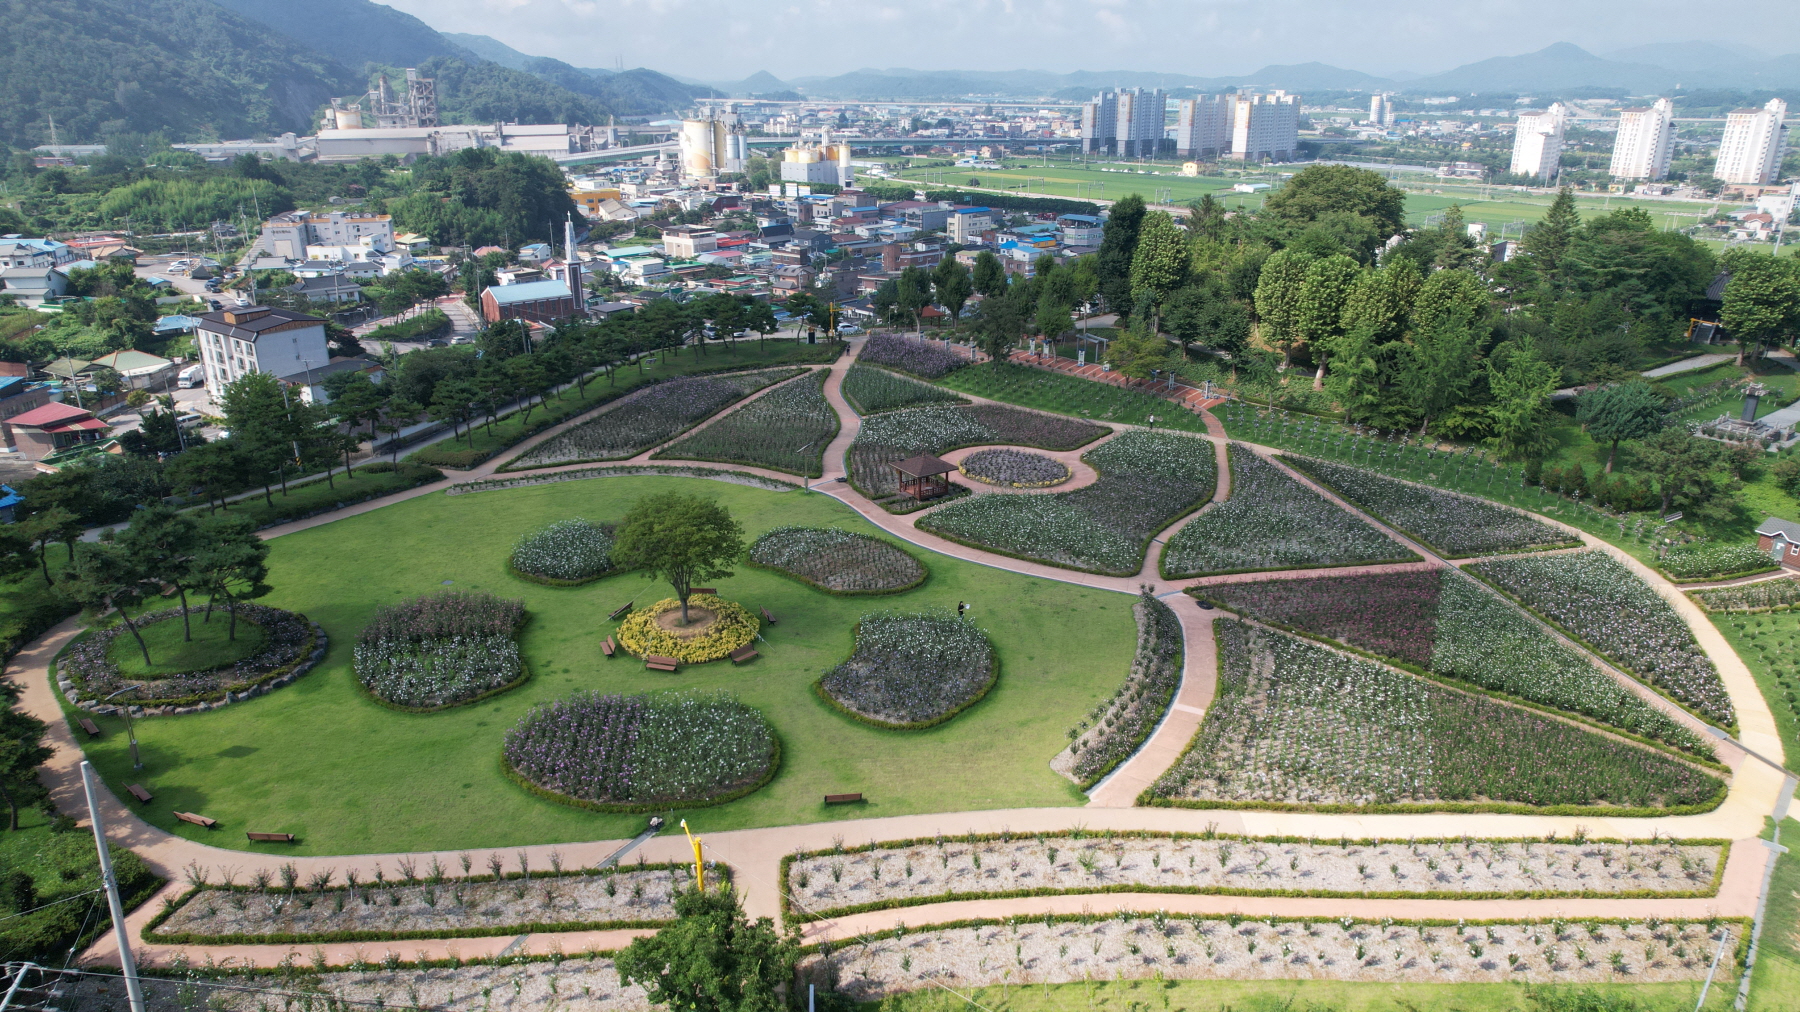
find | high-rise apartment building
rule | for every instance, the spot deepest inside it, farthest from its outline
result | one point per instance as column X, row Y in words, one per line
column 1265, row 128
column 1751, row 150
column 1538, row 142
column 1381, row 109
column 1644, row 142
column 1125, row 122
column 1203, row 127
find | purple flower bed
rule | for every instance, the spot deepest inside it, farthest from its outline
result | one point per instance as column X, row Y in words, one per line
column 440, row 650
column 440, row 616
column 921, row 358
column 1392, row 614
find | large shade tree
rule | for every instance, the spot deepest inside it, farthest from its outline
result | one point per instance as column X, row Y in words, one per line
column 682, row 539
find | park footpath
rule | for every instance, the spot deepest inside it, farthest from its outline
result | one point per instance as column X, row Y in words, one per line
column 1758, row 786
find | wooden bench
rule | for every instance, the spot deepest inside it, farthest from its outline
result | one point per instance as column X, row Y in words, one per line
column 92, row 729
column 843, row 799
column 743, row 653
column 703, row 590
column 198, row 820
column 608, row 647
column 137, row 791
column 655, row 663
column 271, row 837
column 766, row 616
column 620, row 610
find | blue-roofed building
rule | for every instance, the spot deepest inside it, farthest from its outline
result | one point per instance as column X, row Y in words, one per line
column 540, row 301
column 9, row 503
column 967, row 223
column 1080, row 229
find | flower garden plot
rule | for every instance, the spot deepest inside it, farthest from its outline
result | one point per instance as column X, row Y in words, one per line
column 837, row 561
column 441, row 650
column 1454, row 526
column 834, row 883
column 714, row 629
column 871, row 391
column 1159, row 947
column 290, row 644
column 786, row 429
column 1147, row 481
column 638, row 753
column 1014, row 468
column 654, row 415
column 565, row 554
column 929, row 359
column 435, row 906
column 1049, row 390
column 1113, row 730
column 1296, row 725
column 1272, row 521
column 911, row 671
column 1598, row 601
column 1763, row 595
column 516, row 984
column 1443, row 622
column 1712, row 561
column 891, row 437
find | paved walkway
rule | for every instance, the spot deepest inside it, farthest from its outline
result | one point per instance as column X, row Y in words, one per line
column 756, row 853
column 1689, row 365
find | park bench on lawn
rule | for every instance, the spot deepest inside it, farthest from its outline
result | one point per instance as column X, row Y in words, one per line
column 620, row 610
column 198, row 820
column 704, row 590
column 138, row 791
column 92, row 729
column 767, row 617
column 743, row 653
column 655, row 663
column 843, row 799
column 271, row 837
column 608, row 647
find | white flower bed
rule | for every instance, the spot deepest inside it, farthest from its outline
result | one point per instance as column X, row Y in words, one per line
column 837, row 560
column 647, row 417
column 568, row 550
column 912, row 670
column 1014, row 468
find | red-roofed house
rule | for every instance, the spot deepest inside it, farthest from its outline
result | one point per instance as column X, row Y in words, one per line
column 56, row 426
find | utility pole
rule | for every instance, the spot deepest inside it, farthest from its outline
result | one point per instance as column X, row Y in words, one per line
column 127, row 962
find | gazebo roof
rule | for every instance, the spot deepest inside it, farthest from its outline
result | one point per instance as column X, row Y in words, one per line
column 923, row 466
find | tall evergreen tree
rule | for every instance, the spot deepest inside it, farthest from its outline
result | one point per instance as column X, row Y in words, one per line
column 1624, row 411
column 1439, row 370
column 1160, row 265
column 1118, row 245
column 989, row 277
column 951, row 279
column 1549, row 239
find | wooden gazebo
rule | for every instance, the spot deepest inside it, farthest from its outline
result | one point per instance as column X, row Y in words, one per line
column 923, row 477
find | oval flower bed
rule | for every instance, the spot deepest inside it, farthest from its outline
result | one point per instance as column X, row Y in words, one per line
column 567, row 553
column 911, row 671
column 639, row 753
column 715, row 628
column 1014, row 468
column 441, row 650
column 291, row 645
column 837, row 561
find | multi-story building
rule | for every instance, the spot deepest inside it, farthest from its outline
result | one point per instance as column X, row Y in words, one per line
column 245, row 339
column 1750, row 153
column 1265, row 128
column 1381, row 110
column 689, row 241
column 288, row 235
column 1538, row 142
column 1644, row 142
column 539, row 301
column 1203, row 127
column 967, row 223
column 20, row 252
column 1125, row 122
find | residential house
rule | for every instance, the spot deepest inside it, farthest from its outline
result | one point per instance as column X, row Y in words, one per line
column 19, row 395
column 689, row 241
column 967, row 223
column 45, row 430
column 1080, row 229
column 18, row 251
column 245, row 339
column 309, row 383
column 33, row 286
column 332, row 288
column 1781, row 540
column 140, row 370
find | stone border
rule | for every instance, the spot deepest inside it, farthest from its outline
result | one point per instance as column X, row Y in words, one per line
column 266, row 685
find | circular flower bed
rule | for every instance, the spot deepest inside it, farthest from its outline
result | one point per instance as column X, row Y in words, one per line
column 911, row 671
column 716, row 627
column 291, row 644
column 441, row 650
column 837, row 561
column 1014, row 468
column 564, row 554
column 632, row 753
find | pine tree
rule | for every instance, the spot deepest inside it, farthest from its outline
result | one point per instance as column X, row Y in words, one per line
column 1549, row 240
column 1118, row 245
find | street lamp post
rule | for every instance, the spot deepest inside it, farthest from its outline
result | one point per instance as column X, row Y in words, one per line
column 136, row 763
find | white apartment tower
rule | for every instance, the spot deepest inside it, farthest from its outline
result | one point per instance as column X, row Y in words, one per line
column 1538, row 142
column 1644, row 142
column 1125, row 122
column 1381, row 109
column 1751, row 151
column 1203, row 127
column 1265, row 128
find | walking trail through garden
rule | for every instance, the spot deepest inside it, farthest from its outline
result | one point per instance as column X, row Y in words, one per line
column 755, row 855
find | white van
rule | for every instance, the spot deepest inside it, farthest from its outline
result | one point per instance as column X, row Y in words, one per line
column 191, row 377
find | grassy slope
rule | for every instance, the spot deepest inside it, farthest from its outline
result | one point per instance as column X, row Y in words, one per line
column 1775, row 642
column 1777, row 978
column 319, row 759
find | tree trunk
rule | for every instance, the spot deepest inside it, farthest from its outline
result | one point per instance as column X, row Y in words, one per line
column 1610, row 454
column 684, row 611
column 145, row 647
column 12, row 808
column 231, row 609
column 268, row 497
column 281, row 473
column 44, row 563
column 207, row 618
column 187, row 629
column 347, row 472
column 328, row 479
column 1319, row 377
column 1422, row 426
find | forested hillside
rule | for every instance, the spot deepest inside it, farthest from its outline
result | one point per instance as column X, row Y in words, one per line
column 353, row 32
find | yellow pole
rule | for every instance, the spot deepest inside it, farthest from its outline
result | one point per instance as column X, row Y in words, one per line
column 699, row 858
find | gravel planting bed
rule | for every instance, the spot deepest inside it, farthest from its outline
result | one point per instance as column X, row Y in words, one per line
column 871, row 391
column 896, row 435
column 1298, row 725
column 565, row 553
column 1156, row 946
column 1014, row 468
column 647, row 417
column 1147, row 481
column 441, row 650
column 911, row 671
column 1598, row 601
column 1272, row 521
column 636, row 753
column 1445, row 623
column 291, row 643
column 514, row 985
column 1114, row 729
column 1761, row 595
column 929, row 359
column 908, row 873
column 1452, row 525
column 450, row 907
column 837, row 561
column 786, row 429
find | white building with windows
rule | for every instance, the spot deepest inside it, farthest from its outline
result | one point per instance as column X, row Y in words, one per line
column 1750, row 153
column 1538, row 142
column 1265, row 128
column 1203, row 127
column 241, row 340
column 1127, row 122
column 1645, row 140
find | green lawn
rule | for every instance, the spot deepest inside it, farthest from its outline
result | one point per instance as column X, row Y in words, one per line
column 1777, row 977
column 319, row 759
column 1769, row 645
column 1031, row 387
column 171, row 654
column 28, row 607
